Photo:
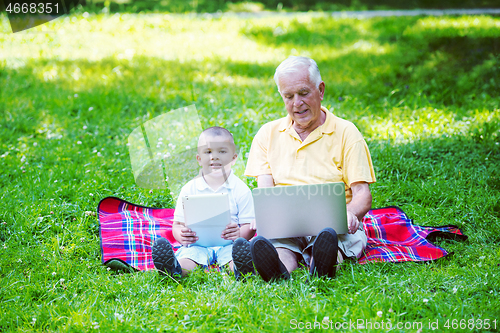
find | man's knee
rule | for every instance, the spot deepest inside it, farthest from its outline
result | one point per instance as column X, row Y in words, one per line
column 288, row 258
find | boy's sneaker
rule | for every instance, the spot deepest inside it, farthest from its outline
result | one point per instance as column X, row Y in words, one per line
column 266, row 260
column 324, row 253
column 164, row 258
column 242, row 259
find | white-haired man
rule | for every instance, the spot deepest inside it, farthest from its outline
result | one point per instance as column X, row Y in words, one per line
column 310, row 146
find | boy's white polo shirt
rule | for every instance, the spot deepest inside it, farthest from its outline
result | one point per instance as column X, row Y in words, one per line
column 240, row 198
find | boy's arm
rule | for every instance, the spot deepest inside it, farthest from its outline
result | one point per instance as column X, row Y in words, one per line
column 183, row 234
column 246, row 231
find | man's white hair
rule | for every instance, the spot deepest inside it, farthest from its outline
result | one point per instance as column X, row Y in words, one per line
column 293, row 64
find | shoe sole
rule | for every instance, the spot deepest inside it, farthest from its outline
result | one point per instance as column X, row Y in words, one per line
column 164, row 257
column 242, row 258
column 325, row 253
column 266, row 260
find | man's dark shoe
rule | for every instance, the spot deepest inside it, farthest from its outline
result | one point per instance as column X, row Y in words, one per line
column 324, row 253
column 242, row 259
column 266, row 260
column 164, row 258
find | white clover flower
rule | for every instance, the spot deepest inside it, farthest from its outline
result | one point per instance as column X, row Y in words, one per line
column 78, row 142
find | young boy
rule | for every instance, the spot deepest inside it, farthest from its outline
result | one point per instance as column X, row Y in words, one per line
column 216, row 155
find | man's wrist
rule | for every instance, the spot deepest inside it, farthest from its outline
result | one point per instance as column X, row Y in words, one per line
column 356, row 216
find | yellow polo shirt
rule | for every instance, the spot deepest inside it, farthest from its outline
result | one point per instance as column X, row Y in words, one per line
column 333, row 152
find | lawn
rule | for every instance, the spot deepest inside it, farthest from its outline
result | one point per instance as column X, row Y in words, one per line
column 422, row 90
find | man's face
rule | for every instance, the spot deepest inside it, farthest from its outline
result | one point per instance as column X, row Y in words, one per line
column 302, row 99
column 215, row 153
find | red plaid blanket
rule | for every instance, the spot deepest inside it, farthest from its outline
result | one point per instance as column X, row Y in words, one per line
column 393, row 237
column 127, row 232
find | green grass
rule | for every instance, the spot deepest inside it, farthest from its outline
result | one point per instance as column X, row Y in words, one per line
column 423, row 91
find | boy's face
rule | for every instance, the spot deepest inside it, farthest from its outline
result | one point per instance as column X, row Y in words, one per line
column 215, row 153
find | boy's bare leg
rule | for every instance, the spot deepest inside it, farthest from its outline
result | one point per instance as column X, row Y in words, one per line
column 187, row 265
column 231, row 266
column 288, row 258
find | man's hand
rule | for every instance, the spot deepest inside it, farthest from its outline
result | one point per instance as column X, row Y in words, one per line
column 352, row 222
column 360, row 205
column 183, row 234
column 231, row 232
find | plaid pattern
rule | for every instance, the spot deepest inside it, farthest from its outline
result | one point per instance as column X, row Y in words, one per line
column 392, row 237
column 127, row 232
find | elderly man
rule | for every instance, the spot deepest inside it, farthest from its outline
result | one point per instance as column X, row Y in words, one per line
column 310, row 146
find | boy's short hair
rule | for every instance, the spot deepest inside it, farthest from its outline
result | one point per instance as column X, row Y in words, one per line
column 220, row 131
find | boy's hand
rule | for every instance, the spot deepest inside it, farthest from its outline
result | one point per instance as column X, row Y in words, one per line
column 231, row 232
column 187, row 236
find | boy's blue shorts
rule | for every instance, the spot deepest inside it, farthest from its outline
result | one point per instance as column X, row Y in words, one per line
column 206, row 256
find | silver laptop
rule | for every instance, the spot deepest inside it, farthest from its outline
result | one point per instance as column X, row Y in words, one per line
column 300, row 210
column 207, row 215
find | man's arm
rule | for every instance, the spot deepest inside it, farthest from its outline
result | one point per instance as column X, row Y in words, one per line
column 262, row 181
column 265, row 181
column 360, row 204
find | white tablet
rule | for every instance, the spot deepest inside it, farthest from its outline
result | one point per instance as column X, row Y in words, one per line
column 207, row 215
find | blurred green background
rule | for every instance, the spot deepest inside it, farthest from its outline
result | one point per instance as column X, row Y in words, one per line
column 212, row 6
